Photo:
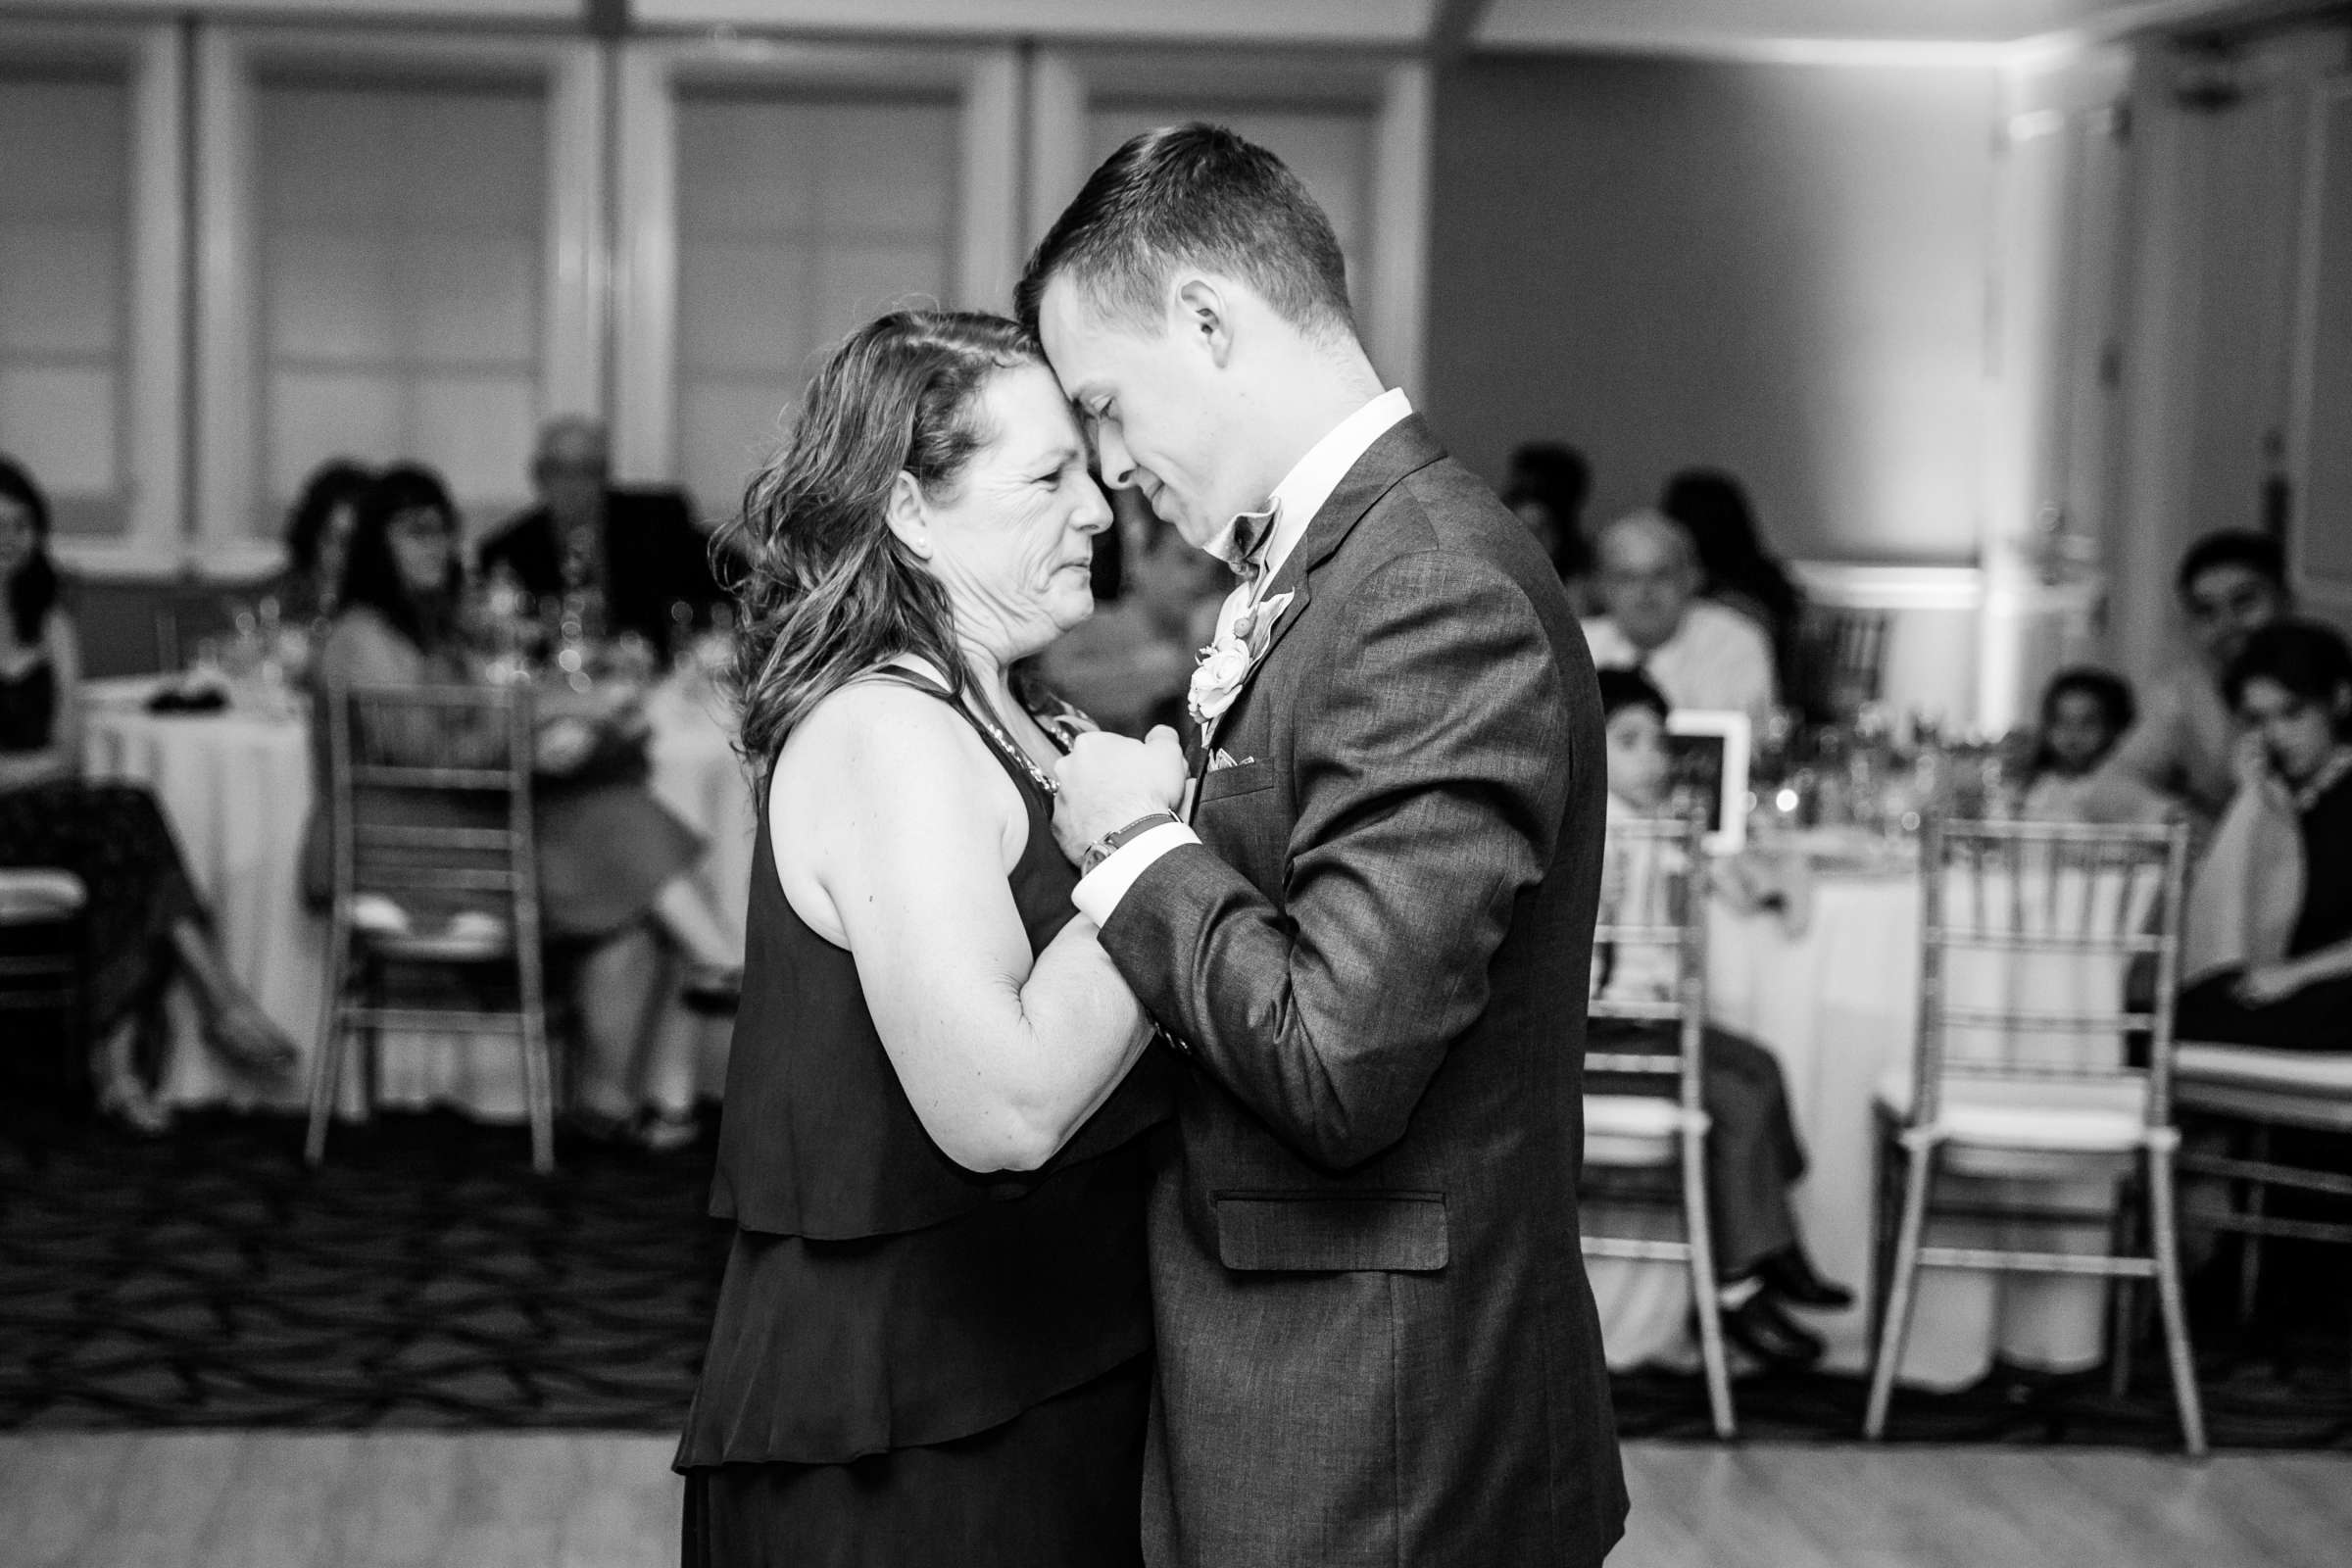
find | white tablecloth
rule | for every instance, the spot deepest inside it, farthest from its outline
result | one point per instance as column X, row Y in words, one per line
column 1838, row 1006
column 237, row 788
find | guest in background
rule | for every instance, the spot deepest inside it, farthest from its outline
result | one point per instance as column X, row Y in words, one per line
column 2085, row 712
column 317, row 538
column 1547, row 487
column 1734, row 564
column 1700, row 654
column 1129, row 664
column 2232, row 584
column 1753, row 1153
column 2290, row 684
column 932, row 1343
column 147, row 927
column 613, row 861
column 638, row 549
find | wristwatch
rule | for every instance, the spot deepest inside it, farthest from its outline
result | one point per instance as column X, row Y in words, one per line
column 1118, row 839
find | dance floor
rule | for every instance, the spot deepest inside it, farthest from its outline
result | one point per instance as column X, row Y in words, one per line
column 226, row 1499
column 426, row 1279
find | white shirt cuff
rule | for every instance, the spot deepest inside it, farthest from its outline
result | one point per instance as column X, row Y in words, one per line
column 1098, row 892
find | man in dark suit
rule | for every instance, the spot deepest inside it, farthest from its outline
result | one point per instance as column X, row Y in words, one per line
column 1370, row 945
column 639, row 549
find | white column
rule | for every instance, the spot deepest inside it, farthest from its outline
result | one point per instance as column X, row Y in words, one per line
column 1394, row 315
column 989, row 249
column 227, row 304
column 572, row 359
column 157, row 366
column 645, row 269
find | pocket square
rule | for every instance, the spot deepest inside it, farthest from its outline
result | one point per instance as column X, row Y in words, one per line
column 1221, row 758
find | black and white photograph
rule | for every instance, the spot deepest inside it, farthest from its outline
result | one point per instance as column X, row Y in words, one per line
column 1116, row 784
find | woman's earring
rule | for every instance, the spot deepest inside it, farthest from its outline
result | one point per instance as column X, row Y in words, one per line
column 922, row 547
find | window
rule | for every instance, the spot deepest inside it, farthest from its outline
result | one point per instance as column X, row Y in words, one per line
column 400, row 235
column 65, row 251
column 799, row 216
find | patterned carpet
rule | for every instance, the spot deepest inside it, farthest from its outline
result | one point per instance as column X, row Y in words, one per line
column 427, row 1279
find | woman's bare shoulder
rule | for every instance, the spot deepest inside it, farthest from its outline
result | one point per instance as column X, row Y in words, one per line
column 880, row 736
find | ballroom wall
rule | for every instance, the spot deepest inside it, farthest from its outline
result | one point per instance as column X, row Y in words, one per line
column 1777, row 268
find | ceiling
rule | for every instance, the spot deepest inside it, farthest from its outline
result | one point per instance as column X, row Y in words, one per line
column 1738, row 26
column 1694, row 26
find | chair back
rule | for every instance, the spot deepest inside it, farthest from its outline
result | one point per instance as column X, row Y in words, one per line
column 2027, row 935
column 1651, row 946
column 431, row 798
column 1842, row 656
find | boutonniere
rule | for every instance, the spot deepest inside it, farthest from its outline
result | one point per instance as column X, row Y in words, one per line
column 1226, row 663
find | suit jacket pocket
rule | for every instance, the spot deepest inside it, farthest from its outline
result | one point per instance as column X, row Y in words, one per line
column 1243, row 779
column 1400, row 1231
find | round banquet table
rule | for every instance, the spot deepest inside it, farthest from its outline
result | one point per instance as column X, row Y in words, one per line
column 1837, row 1004
column 237, row 788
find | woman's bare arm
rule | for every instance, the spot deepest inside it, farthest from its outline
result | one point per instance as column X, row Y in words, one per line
column 62, row 756
column 908, row 825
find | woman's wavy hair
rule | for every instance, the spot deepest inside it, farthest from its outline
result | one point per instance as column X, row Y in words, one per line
column 33, row 588
column 2308, row 658
column 829, row 593
column 371, row 575
column 336, row 482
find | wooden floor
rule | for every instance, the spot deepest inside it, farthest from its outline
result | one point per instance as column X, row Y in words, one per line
column 247, row 1500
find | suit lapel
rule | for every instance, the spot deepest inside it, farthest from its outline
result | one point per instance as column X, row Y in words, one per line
column 1404, row 448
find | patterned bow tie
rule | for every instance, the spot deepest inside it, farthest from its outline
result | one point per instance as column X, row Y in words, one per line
column 1252, row 532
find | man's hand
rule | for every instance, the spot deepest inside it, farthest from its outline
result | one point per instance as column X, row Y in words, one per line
column 1107, row 781
column 2268, row 983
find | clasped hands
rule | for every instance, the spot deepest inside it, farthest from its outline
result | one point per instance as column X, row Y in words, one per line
column 1107, row 781
column 572, row 731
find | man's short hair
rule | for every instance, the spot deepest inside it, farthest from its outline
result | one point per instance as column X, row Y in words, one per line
column 2257, row 552
column 1622, row 688
column 1651, row 521
column 1197, row 195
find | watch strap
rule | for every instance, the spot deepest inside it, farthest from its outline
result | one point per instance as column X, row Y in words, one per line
column 1117, row 838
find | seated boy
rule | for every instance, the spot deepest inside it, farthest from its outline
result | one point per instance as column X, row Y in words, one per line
column 1754, row 1153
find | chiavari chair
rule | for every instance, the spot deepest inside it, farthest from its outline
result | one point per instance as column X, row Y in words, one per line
column 1662, row 1132
column 431, row 801
column 2020, row 1074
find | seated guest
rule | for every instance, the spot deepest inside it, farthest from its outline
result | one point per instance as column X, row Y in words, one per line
column 1547, row 487
column 1701, row 655
column 1737, row 569
column 639, row 550
column 2291, row 686
column 318, row 535
column 1129, row 664
column 2084, row 714
column 147, row 929
column 2230, row 584
column 613, row 861
column 1753, row 1153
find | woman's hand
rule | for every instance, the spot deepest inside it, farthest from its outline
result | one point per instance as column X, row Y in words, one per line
column 565, row 745
column 27, row 769
column 2266, row 984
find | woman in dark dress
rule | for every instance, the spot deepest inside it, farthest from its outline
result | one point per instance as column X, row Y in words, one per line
column 146, row 928
column 932, row 1344
column 2291, row 687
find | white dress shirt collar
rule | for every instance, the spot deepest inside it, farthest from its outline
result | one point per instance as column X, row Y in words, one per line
column 1314, row 476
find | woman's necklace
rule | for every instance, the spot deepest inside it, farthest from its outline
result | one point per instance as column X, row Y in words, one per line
column 2338, row 763
column 1018, row 751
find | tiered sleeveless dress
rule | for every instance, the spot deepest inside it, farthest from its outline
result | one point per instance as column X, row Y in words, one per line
column 912, row 1365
